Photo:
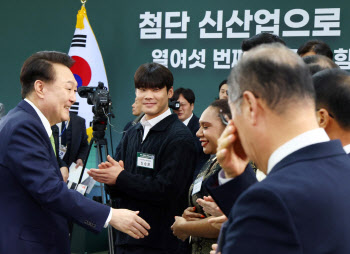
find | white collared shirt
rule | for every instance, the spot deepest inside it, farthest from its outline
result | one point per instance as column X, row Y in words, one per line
column 148, row 124
column 305, row 139
column 47, row 126
column 43, row 119
column 187, row 120
column 347, row 149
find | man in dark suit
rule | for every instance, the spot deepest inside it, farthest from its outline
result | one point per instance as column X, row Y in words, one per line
column 332, row 89
column 71, row 142
column 74, row 140
column 36, row 204
column 305, row 193
column 186, row 98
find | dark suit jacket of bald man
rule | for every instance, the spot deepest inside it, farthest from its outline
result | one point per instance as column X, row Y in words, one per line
column 301, row 207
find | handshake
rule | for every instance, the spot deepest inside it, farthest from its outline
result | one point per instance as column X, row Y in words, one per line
column 124, row 220
column 129, row 222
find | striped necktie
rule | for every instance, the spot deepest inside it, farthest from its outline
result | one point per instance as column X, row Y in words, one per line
column 53, row 143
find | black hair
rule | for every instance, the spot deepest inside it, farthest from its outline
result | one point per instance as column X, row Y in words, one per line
column 317, row 46
column 262, row 38
column 332, row 89
column 153, row 75
column 222, row 83
column 318, row 63
column 39, row 67
column 222, row 106
column 187, row 93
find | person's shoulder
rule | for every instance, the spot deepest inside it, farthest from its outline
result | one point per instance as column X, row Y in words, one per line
column 194, row 122
column 20, row 123
column 194, row 118
column 76, row 117
column 179, row 127
column 128, row 126
column 19, row 116
column 130, row 130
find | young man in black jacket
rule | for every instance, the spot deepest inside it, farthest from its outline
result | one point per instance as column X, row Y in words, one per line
column 155, row 165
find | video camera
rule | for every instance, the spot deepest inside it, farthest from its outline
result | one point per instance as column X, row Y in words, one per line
column 174, row 104
column 100, row 99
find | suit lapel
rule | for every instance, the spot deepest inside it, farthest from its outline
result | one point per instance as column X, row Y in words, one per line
column 30, row 110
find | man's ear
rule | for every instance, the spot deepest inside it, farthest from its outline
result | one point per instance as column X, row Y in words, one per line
column 39, row 88
column 322, row 118
column 192, row 106
column 170, row 92
column 250, row 106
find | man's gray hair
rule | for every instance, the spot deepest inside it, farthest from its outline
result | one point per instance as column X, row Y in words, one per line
column 273, row 73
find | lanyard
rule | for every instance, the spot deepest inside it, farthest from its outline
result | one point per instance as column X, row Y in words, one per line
column 64, row 128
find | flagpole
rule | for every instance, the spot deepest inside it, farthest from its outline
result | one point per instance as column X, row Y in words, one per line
column 80, row 24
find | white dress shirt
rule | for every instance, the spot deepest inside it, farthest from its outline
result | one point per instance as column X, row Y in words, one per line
column 347, row 148
column 148, row 124
column 47, row 126
column 305, row 139
column 187, row 120
column 43, row 119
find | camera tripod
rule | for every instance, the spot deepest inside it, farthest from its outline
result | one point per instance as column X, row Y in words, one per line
column 100, row 141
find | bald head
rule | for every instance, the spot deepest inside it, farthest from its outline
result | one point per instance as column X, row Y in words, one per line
column 273, row 73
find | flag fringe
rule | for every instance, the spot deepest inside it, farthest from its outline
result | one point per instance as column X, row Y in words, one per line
column 80, row 17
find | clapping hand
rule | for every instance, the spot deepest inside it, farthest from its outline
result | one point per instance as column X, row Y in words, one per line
column 209, row 206
column 107, row 172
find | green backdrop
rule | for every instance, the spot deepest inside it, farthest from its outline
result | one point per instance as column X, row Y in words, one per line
column 30, row 26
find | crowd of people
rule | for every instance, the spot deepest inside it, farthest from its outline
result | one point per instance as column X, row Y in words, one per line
column 264, row 169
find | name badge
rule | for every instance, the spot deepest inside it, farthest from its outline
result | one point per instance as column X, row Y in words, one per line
column 197, row 185
column 145, row 160
column 62, row 152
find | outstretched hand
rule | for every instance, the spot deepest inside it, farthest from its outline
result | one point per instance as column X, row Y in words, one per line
column 129, row 222
column 107, row 172
column 230, row 153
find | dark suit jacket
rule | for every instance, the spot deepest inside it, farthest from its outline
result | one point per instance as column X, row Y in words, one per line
column 301, row 207
column 202, row 158
column 35, row 202
column 76, row 140
column 230, row 190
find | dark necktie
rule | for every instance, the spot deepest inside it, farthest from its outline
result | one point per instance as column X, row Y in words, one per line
column 53, row 137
